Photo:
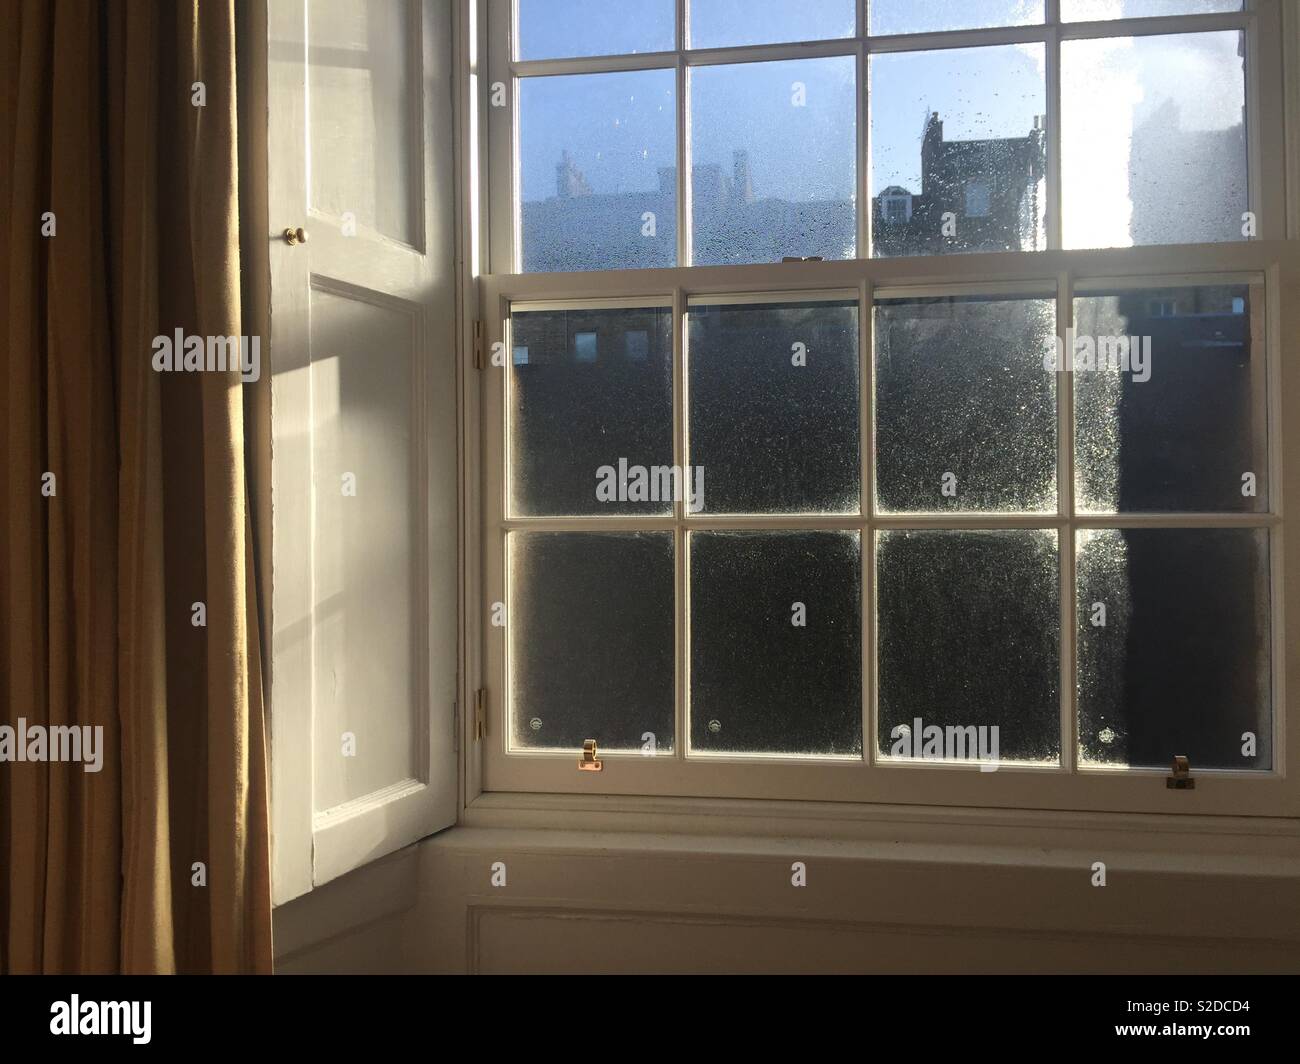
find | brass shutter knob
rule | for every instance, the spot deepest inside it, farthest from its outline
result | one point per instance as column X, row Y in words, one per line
column 295, row 236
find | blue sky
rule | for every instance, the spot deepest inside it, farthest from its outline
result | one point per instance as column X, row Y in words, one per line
column 620, row 128
column 550, row 29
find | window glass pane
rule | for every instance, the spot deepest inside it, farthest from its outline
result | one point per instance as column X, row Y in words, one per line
column 959, row 150
column 965, row 406
column 776, row 655
column 1153, row 139
column 584, row 347
column 591, row 624
column 774, row 160
column 590, row 427
column 774, row 407
column 1173, row 647
column 598, row 171
column 1169, row 401
column 968, row 627
column 638, row 345
column 725, row 23
column 558, row 29
column 1095, row 10
column 908, row 16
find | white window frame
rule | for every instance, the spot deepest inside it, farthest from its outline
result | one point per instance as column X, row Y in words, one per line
column 1261, row 21
column 1271, row 259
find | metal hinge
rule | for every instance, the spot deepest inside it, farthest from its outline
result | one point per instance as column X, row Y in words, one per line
column 478, row 345
column 455, row 726
column 480, row 713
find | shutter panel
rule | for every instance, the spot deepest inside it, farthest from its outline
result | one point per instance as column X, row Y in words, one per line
column 364, row 475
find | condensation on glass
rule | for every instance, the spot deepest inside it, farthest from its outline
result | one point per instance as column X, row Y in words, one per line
column 908, row 16
column 776, row 655
column 1098, row 10
column 560, row 29
column 1173, row 647
column 968, row 636
column 774, row 407
column 1169, row 395
column 959, row 150
column 731, row 23
column 1153, row 140
column 598, row 171
column 591, row 630
column 965, row 407
column 591, row 419
column 774, row 161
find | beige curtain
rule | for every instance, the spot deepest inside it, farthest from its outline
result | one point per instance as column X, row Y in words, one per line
column 150, row 510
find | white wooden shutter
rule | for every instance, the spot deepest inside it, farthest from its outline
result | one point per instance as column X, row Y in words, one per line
column 364, row 430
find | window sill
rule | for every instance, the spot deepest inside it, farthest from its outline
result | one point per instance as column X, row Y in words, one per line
column 1275, row 840
column 1217, row 892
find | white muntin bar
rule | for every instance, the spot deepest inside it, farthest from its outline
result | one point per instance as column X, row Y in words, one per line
column 986, row 272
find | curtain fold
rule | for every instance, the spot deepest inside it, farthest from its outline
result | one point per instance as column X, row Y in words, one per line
column 160, row 861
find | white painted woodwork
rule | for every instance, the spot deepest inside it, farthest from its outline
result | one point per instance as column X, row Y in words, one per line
column 1271, row 261
column 635, row 882
column 682, row 885
column 364, row 603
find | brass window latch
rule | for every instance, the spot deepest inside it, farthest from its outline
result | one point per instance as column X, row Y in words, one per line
column 1181, row 780
column 589, row 762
